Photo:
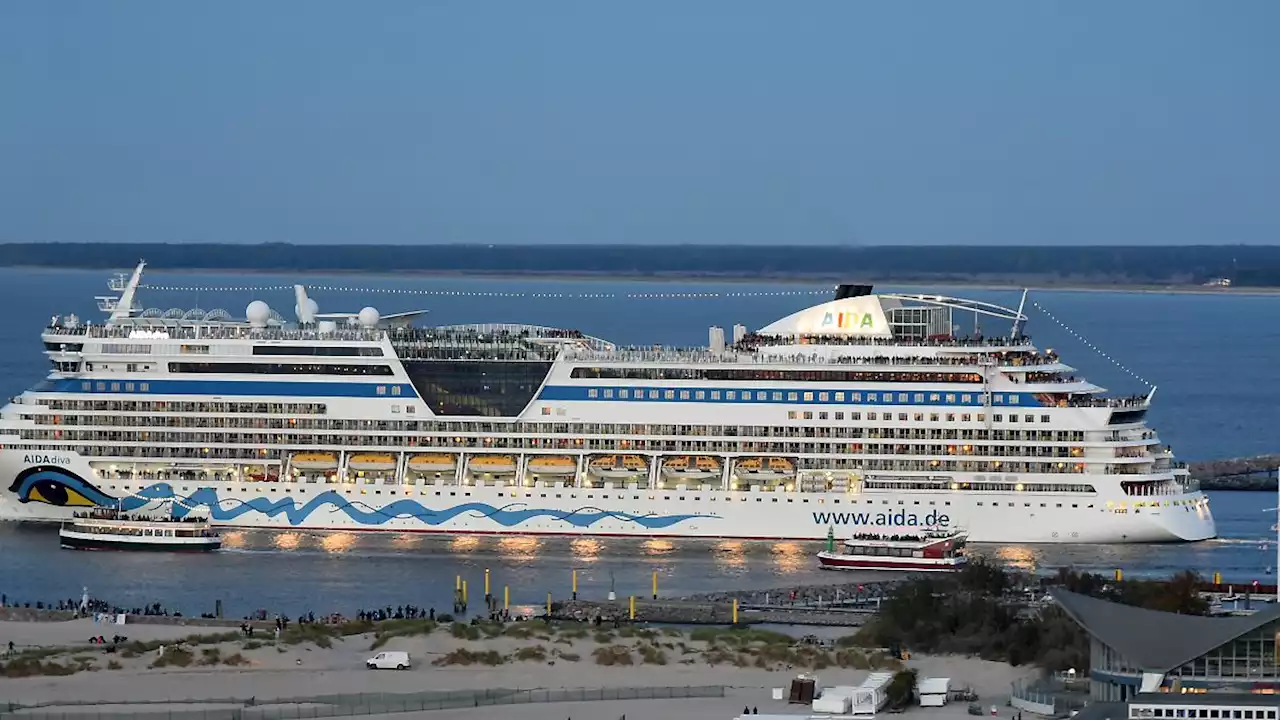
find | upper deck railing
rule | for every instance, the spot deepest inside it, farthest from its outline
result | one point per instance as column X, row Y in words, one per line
column 212, row 332
column 753, row 340
column 736, row 354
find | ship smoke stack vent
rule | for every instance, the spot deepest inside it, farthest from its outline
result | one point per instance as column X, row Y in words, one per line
column 848, row 291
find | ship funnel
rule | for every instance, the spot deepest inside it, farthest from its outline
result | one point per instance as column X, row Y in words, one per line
column 305, row 307
column 848, row 291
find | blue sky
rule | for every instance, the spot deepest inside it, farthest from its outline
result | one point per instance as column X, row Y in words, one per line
column 842, row 122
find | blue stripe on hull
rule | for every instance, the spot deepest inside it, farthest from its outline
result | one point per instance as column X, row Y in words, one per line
column 231, row 387
column 775, row 396
column 511, row 515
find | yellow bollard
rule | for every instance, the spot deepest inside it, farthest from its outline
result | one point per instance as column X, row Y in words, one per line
column 1119, row 575
column 1217, row 578
column 633, row 607
column 506, row 597
column 464, row 592
column 655, row 584
column 486, row 582
column 735, row 611
column 457, row 583
column 575, row 584
column 548, row 606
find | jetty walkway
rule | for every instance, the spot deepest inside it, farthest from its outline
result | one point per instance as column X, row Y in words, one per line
column 1253, row 473
column 696, row 612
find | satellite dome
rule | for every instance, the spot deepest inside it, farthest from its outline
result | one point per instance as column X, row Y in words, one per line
column 258, row 313
column 369, row 317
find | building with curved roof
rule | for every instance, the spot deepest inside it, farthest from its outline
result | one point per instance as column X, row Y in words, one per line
column 1137, row 650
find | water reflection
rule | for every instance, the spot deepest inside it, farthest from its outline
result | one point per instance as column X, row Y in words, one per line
column 286, row 540
column 464, row 543
column 519, row 546
column 654, row 546
column 586, row 549
column 731, row 554
column 338, row 542
column 1020, row 557
column 790, row 558
column 406, row 541
column 233, row 539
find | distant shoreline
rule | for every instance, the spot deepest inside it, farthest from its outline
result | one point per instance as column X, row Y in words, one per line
column 695, row 277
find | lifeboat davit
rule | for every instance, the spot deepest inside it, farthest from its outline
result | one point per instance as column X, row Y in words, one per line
column 372, row 462
column 619, row 467
column 433, row 463
column 691, row 467
column 314, row 461
column 772, row 468
column 492, row 465
column 553, row 465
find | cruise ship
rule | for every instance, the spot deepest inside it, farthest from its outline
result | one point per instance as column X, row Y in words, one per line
column 865, row 413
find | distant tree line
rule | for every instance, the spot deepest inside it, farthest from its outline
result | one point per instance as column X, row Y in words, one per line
column 1248, row 265
column 983, row 611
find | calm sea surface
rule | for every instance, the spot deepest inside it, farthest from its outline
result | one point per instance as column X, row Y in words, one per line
column 1213, row 359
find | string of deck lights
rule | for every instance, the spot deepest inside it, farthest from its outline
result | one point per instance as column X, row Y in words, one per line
column 1091, row 346
column 477, row 293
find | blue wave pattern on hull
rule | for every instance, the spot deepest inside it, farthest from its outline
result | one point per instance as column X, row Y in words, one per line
column 508, row 515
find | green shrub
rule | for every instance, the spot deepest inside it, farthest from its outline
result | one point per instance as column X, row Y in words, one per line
column 463, row 656
column 30, row 667
column 521, row 630
column 613, row 655
column 652, row 655
column 401, row 628
column 315, row 633
column 535, row 652
column 114, row 665
column 463, row 631
column 235, row 659
column 174, row 657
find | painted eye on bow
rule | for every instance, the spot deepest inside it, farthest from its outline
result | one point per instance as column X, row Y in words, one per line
column 53, row 492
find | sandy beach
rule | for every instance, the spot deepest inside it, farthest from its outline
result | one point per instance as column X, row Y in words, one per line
column 530, row 656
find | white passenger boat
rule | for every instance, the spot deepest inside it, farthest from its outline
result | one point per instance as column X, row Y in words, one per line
column 926, row 551
column 869, row 413
column 105, row 529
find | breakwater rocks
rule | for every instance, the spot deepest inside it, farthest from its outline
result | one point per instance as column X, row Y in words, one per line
column 687, row 612
column 808, row 596
column 1255, row 473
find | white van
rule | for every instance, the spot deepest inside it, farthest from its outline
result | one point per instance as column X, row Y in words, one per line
column 393, row 660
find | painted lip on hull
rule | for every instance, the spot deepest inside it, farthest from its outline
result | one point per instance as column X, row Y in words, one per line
column 654, row 536
column 119, row 547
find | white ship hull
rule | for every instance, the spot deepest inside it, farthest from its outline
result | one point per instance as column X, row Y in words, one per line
column 549, row 509
column 882, row 416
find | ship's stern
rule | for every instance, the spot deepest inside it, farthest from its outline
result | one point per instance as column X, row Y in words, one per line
column 1186, row 518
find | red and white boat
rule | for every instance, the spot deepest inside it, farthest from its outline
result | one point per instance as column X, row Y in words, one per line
column 927, row 551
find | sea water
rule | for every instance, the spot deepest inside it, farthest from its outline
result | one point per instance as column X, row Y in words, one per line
column 1211, row 356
